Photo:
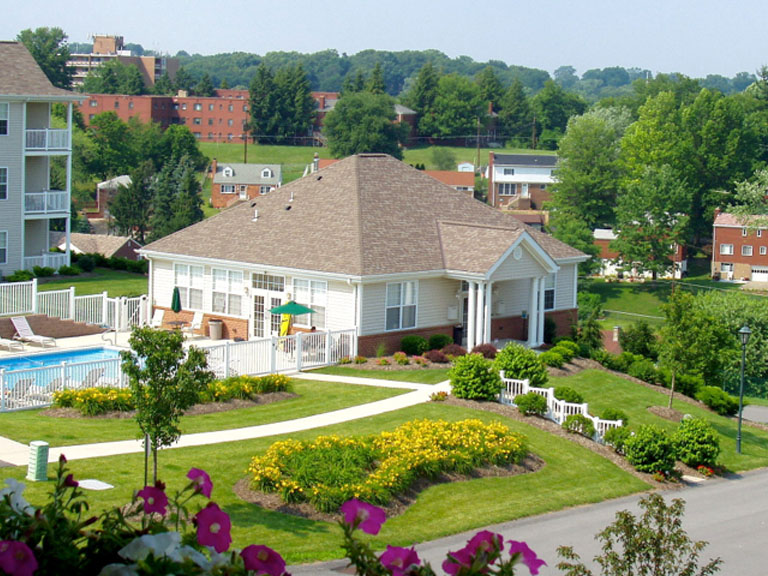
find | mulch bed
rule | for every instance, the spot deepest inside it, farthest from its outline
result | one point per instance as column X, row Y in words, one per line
column 373, row 364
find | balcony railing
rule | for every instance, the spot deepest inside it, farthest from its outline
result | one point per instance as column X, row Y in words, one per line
column 47, row 259
column 46, row 201
column 45, row 139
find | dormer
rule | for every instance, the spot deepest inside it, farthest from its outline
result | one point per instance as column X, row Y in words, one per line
column 228, row 172
column 267, row 173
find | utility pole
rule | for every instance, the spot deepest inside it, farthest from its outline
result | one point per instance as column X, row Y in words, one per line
column 533, row 133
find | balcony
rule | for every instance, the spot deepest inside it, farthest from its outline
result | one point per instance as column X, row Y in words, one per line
column 46, row 202
column 47, row 259
column 46, row 140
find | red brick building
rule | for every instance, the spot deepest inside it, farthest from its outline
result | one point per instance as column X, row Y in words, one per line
column 611, row 265
column 520, row 181
column 739, row 249
column 235, row 182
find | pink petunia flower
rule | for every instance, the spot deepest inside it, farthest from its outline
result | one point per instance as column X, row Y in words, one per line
column 213, row 527
column 487, row 542
column 16, row 558
column 527, row 556
column 399, row 560
column 263, row 560
column 201, row 480
column 367, row 517
column 155, row 500
column 457, row 560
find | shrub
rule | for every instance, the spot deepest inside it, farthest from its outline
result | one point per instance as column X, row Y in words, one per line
column 360, row 360
column 474, row 378
column 688, row 384
column 95, row 401
column 436, row 356
column 564, row 351
column 531, row 404
column 440, row 396
column 623, row 361
column 345, row 360
column 413, row 345
column 401, row 358
column 381, row 350
column 244, row 387
column 521, row 363
column 69, row 271
column 20, row 276
column 718, row 400
column 383, row 362
column 550, row 330
column 565, row 342
column 488, row 351
column 454, row 351
column 43, row 271
column 650, row 450
column 696, row 442
column 419, row 360
column 579, row 424
column 603, row 357
column 615, row 414
column 552, row 358
column 86, row 263
column 616, row 438
column 439, row 341
column 639, row 339
column 643, row 370
column 568, row 394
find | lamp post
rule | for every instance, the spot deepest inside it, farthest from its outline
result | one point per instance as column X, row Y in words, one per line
column 744, row 334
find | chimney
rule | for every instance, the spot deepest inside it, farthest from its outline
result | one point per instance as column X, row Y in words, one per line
column 316, row 163
column 616, row 332
column 214, row 165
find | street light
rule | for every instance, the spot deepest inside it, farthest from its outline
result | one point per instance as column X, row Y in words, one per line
column 744, row 334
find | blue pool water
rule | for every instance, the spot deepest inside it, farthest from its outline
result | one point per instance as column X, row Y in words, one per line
column 43, row 359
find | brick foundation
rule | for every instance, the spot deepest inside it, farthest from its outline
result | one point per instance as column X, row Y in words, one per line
column 565, row 320
column 46, row 326
column 231, row 328
column 368, row 345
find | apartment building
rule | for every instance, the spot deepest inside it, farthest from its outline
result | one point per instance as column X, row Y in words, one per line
column 33, row 148
column 739, row 248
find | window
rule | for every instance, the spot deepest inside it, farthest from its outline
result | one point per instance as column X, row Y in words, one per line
column 264, row 189
column 210, row 107
column 189, row 280
column 91, row 116
column 3, row 247
column 184, row 106
column 726, row 267
column 312, row 293
column 726, row 249
column 197, row 121
column 743, row 232
column 549, row 292
column 117, row 104
column 759, row 233
column 210, row 121
column 269, row 282
column 230, row 122
column 763, row 250
column 507, row 189
column 227, row 292
column 227, row 188
column 266, row 173
column 401, row 305
column 3, row 183
column 198, row 107
column 543, row 186
column 509, row 171
column 3, row 118
column 746, row 250
column 130, row 104
column 93, row 103
column 197, row 135
column 231, row 108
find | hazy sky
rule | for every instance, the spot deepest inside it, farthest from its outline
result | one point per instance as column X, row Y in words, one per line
column 695, row 37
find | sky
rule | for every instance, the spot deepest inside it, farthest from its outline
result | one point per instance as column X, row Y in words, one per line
column 694, row 37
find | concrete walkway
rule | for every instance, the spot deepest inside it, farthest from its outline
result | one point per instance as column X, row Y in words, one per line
column 17, row 454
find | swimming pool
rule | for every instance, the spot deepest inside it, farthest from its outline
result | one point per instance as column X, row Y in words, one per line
column 47, row 359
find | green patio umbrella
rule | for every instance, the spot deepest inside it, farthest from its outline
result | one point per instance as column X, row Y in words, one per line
column 292, row 308
column 176, row 300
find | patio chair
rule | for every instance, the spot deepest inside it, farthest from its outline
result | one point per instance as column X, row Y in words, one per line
column 93, row 378
column 11, row 345
column 195, row 327
column 25, row 333
column 157, row 318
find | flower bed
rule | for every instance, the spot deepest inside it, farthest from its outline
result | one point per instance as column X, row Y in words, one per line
column 331, row 469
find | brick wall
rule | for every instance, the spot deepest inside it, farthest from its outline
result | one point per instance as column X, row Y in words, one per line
column 367, row 345
column 53, row 327
column 231, row 328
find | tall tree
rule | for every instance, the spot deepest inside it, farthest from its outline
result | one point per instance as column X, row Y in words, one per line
column 204, row 87
column 183, row 80
column 364, row 122
column 114, row 155
column 516, row 116
column 263, row 98
column 187, row 206
column 132, row 205
column 491, row 89
column 353, row 83
column 48, row 47
column 553, row 107
column 163, row 86
column 178, row 142
column 421, row 97
column 458, row 107
column 376, row 83
column 571, row 229
column 114, row 77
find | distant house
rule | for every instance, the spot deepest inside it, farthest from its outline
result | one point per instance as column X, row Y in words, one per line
column 372, row 244
column 466, row 167
column 520, row 181
column 739, row 248
column 461, row 181
column 107, row 246
column 611, row 264
column 233, row 182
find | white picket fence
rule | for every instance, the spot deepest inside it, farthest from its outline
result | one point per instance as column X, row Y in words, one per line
column 34, row 387
column 119, row 314
column 557, row 410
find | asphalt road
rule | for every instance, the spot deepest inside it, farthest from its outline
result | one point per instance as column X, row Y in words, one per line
column 731, row 514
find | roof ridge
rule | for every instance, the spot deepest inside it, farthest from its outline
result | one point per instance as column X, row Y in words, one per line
column 514, row 225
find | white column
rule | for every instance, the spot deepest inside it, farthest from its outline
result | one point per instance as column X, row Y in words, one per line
column 576, row 284
column 542, row 285
column 471, row 313
column 533, row 303
column 480, row 319
column 487, row 337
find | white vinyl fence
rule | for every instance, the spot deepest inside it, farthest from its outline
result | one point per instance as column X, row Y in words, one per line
column 34, row 387
column 557, row 410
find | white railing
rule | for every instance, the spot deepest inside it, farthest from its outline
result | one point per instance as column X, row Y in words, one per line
column 46, row 260
column 46, row 201
column 557, row 410
column 47, row 139
column 17, row 297
column 56, row 303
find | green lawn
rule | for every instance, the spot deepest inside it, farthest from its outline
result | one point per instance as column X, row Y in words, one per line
column 603, row 390
column 425, row 376
column 115, row 282
column 313, row 398
column 571, row 477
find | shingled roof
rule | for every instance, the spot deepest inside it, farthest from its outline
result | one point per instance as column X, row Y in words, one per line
column 21, row 76
column 368, row 214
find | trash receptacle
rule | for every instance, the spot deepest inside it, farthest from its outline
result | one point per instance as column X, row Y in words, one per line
column 214, row 329
column 37, row 471
column 458, row 334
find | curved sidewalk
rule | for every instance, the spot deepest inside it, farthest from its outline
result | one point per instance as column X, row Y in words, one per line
column 17, row 454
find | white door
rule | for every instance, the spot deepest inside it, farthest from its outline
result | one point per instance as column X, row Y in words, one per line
column 759, row 274
column 264, row 323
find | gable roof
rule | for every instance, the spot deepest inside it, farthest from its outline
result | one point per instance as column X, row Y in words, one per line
column 248, row 174
column 20, row 76
column 543, row 160
column 93, row 243
column 453, row 178
column 368, row 214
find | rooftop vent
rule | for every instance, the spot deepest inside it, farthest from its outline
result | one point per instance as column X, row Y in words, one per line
column 255, row 216
column 288, row 207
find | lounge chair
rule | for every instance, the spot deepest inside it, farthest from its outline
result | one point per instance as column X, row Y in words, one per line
column 157, row 318
column 93, row 378
column 25, row 334
column 195, row 327
column 11, row 345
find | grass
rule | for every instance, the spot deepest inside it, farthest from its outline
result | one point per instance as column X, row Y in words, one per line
column 425, row 376
column 603, row 390
column 572, row 476
column 313, row 398
column 115, row 282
